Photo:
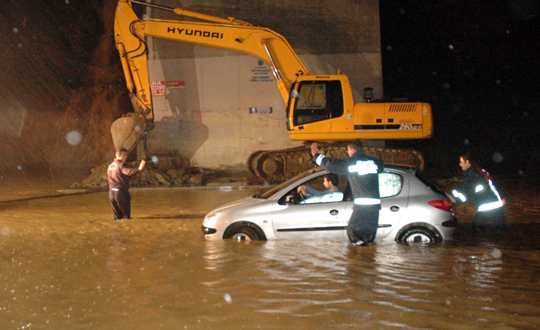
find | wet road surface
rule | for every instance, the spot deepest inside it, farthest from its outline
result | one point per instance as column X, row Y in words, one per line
column 65, row 264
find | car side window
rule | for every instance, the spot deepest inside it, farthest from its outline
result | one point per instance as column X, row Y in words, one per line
column 314, row 192
column 328, row 197
column 390, row 184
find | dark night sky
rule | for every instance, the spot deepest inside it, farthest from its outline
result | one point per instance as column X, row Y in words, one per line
column 476, row 62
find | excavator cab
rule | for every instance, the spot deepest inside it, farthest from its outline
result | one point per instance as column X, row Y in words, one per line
column 321, row 108
column 316, row 101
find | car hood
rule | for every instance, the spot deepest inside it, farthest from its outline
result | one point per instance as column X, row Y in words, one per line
column 239, row 202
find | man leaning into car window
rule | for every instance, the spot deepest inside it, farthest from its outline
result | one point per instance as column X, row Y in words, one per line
column 362, row 172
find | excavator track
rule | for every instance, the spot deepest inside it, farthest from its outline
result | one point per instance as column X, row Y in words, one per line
column 276, row 166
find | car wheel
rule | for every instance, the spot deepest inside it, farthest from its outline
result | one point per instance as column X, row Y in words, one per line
column 245, row 232
column 418, row 235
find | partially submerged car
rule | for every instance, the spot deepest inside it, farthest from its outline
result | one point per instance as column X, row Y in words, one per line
column 414, row 209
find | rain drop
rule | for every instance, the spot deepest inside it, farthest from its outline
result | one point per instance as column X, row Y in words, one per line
column 19, row 168
column 497, row 157
column 6, row 231
column 15, row 30
column 496, row 253
column 154, row 159
column 466, row 142
column 137, row 129
column 227, row 298
column 74, row 138
column 451, row 47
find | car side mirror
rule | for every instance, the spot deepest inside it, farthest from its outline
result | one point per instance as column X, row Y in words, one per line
column 292, row 199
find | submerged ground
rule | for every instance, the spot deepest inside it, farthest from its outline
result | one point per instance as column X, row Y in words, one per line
column 65, row 264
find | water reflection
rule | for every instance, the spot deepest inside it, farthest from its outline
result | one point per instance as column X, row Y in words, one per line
column 339, row 285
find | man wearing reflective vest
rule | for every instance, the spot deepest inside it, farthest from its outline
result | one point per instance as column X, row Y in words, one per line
column 478, row 186
column 362, row 172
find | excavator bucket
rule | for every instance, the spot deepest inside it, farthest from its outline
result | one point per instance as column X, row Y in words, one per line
column 127, row 131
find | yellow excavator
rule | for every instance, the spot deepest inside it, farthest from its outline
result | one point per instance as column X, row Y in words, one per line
column 319, row 107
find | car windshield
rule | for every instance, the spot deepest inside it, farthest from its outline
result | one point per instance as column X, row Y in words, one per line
column 277, row 188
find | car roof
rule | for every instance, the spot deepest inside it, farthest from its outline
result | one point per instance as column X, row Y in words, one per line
column 391, row 167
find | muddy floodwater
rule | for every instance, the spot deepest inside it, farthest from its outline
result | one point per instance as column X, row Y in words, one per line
column 65, row 264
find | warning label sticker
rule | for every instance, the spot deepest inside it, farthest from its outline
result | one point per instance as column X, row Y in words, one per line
column 158, row 88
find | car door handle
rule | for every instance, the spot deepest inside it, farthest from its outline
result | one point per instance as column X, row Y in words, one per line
column 334, row 212
column 394, row 208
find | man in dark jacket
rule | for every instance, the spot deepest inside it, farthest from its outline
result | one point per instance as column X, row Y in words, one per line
column 118, row 177
column 478, row 186
column 362, row 172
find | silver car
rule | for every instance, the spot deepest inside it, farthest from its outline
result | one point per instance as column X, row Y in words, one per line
column 414, row 209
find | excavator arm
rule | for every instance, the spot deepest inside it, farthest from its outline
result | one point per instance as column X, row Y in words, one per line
column 226, row 33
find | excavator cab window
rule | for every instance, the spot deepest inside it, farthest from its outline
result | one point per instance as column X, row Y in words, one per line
column 317, row 100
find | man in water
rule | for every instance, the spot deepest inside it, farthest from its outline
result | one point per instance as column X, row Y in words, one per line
column 118, row 175
column 362, row 172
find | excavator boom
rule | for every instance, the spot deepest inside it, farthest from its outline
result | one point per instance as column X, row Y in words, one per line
column 231, row 34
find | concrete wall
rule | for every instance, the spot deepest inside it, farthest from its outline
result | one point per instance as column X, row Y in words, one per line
column 216, row 107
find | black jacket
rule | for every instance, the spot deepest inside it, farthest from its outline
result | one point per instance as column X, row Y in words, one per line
column 118, row 175
column 361, row 170
column 478, row 186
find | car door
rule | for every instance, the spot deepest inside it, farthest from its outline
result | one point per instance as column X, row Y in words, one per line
column 394, row 190
column 319, row 218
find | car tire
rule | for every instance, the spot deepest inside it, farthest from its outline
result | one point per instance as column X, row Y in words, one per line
column 245, row 232
column 418, row 235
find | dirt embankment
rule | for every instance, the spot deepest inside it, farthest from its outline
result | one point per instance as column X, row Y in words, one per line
column 64, row 85
column 166, row 172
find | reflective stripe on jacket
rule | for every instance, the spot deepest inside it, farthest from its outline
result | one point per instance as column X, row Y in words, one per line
column 478, row 186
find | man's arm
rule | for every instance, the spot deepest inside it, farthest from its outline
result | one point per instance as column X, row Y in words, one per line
column 467, row 188
column 337, row 166
column 310, row 191
column 132, row 171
